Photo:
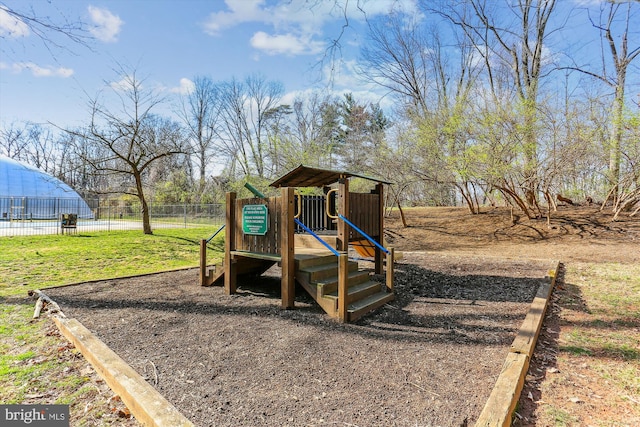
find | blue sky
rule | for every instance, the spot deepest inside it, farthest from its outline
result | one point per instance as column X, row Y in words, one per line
column 169, row 43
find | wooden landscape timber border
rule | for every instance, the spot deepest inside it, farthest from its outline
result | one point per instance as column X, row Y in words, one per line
column 499, row 409
column 146, row 404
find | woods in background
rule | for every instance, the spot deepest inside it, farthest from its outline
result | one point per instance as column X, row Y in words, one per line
column 490, row 105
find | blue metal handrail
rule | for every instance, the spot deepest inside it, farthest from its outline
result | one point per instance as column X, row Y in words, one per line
column 308, row 230
column 216, row 233
column 365, row 235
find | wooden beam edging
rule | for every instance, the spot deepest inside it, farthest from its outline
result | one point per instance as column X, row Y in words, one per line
column 498, row 411
column 147, row 405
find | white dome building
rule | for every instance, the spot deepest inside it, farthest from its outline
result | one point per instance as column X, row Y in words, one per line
column 28, row 193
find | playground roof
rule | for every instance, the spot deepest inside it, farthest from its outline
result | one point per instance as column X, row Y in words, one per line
column 304, row 176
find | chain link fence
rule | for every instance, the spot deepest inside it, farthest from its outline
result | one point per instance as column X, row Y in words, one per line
column 22, row 216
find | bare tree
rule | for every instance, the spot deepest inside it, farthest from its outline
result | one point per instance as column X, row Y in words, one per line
column 419, row 68
column 245, row 108
column 511, row 36
column 13, row 141
column 615, row 15
column 52, row 32
column 43, row 152
column 125, row 144
column 199, row 112
column 32, row 143
column 396, row 58
column 307, row 132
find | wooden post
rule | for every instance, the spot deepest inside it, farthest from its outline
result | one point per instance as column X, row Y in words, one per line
column 203, row 262
column 230, row 245
column 343, row 278
column 343, row 208
column 287, row 243
column 379, row 259
column 390, row 266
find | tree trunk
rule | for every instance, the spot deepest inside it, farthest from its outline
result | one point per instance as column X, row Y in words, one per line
column 404, row 220
column 146, row 221
column 616, row 140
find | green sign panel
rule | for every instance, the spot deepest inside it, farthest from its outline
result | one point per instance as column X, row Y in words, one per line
column 255, row 219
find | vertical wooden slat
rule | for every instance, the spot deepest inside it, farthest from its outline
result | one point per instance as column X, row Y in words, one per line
column 343, row 277
column 230, row 245
column 379, row 209
column 287, row 248
column 275, row 224
column 237, row 220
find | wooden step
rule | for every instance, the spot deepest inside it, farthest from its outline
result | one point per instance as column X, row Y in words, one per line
column 357, row 292
column 330, row 285
column 358, row 309
column 317, row 273
column 306, row 260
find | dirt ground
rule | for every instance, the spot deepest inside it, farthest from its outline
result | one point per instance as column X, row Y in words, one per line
column 430, row 358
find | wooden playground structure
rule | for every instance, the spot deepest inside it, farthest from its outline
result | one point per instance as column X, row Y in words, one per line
column 309, row 237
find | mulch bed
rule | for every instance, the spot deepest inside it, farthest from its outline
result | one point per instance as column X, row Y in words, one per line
column 431, row 357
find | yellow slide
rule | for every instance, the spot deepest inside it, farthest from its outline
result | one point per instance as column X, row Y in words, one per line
column 366, row 249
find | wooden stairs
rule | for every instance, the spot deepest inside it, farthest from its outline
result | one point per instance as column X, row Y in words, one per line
column 318, row 275
column 317, row 272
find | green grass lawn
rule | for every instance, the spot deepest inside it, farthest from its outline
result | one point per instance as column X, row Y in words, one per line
column 34, row 262
column 31, row 364
column 599, row 348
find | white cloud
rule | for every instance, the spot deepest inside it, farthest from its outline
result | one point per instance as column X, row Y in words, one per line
column 588, row 3
column 296, row 23
column 287, row 44
column 185, row 87
column 39, row 71
column 240, row 11
column 106, row 25
column 12, row 26
column 124, row 84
